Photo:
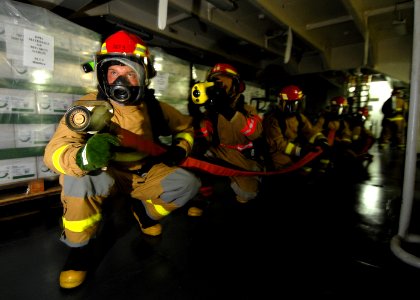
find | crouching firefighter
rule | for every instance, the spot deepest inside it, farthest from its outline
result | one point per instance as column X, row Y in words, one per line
column 226, row 131
column 290, row 134
column 97, row 166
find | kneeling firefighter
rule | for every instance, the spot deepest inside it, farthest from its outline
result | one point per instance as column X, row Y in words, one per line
column 106, row 166
column 227, row 131
column 289, row 133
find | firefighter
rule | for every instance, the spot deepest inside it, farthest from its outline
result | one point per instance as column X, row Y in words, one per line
column 334, row 124
column 289, row 133
column 394, row 122
column 227, row 131
column 107, row 165
column 362, row 138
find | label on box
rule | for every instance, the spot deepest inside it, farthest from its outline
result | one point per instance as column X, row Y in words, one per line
column 13, row 170
column 17, row 101
column 33, row 135
column 53, row 103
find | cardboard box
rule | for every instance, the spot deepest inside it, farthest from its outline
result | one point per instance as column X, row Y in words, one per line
column 18, row 169
column 7, row 136
column 16, row 101
column 33, row 135
column 53, row 103
column 5, row 67
column 43, row 171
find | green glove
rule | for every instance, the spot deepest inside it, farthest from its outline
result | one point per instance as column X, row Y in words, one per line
column 97, row 152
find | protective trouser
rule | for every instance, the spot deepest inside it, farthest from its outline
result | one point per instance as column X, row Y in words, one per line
column 393, row 130
column 161, row 190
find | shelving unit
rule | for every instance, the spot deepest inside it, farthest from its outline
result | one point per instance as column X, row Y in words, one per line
column 26, row 191
column 40, row 78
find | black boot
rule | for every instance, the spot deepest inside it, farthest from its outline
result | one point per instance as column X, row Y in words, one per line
column 199, row 203
column 147, row 225
column 76, row 267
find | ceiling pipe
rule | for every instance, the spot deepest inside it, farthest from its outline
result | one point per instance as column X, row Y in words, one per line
column 225, row 5
column 162, row 14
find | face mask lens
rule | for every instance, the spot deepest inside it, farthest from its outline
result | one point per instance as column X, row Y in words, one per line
column 119, row 89
column 120, row 93
column 292, row 106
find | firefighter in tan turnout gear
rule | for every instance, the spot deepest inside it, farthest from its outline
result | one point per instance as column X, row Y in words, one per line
column 228, row 128
column 334, row 124
column 289, row 133
column 394, row 122
column 109, row 165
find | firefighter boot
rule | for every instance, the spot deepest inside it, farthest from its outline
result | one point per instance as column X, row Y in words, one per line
column 147, row 225
column 76, row 267
column 199, row 203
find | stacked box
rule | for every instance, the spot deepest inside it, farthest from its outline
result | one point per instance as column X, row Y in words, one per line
column 40, row 70
column 7, row 136
column 16, row 170
column 17, row 101
column 53, row 103
column 33, row 135
column 43, row 171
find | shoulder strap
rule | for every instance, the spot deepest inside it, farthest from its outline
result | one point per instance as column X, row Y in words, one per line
column 299, row 118
column 280, row 120
column 156, row 116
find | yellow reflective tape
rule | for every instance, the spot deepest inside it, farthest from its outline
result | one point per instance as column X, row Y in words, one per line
column 399, row 118
column 315, row 137
column 103, row 49
column 80, row 226
column 159, row 208
column 140, row 50
column 186, row 136
column 307, row 169
column 56, row 158
column 289, row 148
column 300, row 94
column 231, row 71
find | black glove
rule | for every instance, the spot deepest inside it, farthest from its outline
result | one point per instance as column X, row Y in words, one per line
column 323, row 143
column 219, row 101
column 302, row 151
column 343, row 145
column 174, row 156
column 97, row 152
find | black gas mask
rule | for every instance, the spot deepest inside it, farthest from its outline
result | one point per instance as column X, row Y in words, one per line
column 121, row 90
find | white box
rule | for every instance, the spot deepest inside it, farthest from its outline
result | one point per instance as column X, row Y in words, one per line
column 5, row 65
column 17, row 169
column 82, row 45
column 67, row 73
column 53, row 103
column 17, row 101
column 43, row 171
column 7, row 136
column 33, row 135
